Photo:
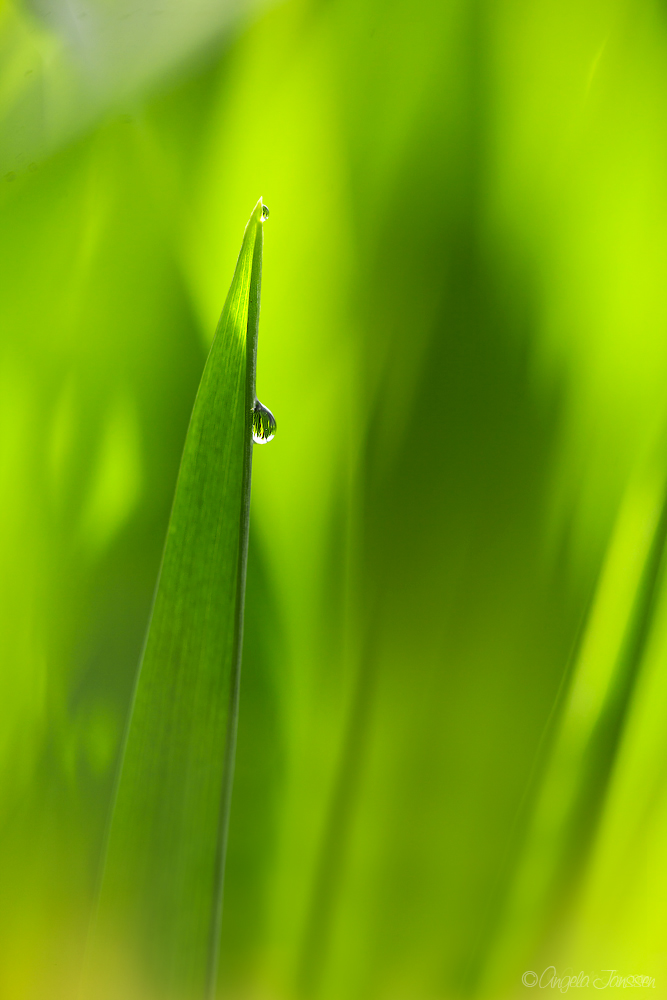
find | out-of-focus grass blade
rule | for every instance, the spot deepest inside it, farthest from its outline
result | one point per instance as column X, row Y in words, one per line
column 572, row 796
column 157, row 928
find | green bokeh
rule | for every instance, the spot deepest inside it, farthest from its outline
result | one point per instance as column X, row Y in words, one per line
column 452, row 742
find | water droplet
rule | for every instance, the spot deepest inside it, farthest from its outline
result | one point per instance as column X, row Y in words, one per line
column 265, row 212
column 263, row 424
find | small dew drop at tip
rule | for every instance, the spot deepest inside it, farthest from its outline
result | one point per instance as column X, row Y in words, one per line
column 265, row 212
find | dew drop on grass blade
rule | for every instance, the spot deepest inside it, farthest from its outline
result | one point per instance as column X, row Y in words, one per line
column 157, row 927
column 263, row 424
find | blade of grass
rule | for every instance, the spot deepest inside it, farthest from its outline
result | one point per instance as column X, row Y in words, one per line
column 158, row 923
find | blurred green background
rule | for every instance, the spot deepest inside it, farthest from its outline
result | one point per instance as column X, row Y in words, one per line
column 452, row 762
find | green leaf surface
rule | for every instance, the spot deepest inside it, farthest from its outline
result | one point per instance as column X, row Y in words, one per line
column 157, row 928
